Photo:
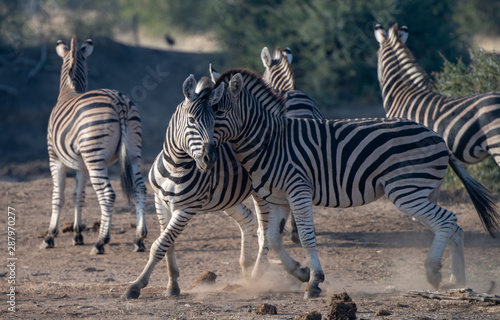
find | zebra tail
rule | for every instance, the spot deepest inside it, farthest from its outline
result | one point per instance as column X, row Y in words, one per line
column 126, row 172
column 480, row 196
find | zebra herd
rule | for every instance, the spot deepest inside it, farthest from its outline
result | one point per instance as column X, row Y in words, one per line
column 239, row 134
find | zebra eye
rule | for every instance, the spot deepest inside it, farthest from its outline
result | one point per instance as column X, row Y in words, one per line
column 191, row 120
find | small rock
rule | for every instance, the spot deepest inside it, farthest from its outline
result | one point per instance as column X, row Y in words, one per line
column 266, row 309
column 383, row 312
column 314, row 315
column 206, row 277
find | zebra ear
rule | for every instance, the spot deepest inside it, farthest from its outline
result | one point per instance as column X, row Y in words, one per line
column 403, row 34
column 87, row 48
column 216, row 94
column 214, row 74
column 61, row 48
column 288, row 54
column 189, row 88
column 236, row 84
column 380, row 34
column 265, row 55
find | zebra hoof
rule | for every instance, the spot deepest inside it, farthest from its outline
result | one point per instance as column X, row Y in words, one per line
column 130, row 293
column 97, row 249
column 47, row 243
column 172, row 292
column 139, row 245
column 78, row 240
column 312, row 293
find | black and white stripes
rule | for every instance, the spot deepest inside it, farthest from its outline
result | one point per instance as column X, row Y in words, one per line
column 297, row 163
column 470, row 125
column 88, row 131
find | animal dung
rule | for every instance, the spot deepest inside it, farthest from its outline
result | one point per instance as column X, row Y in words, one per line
column 266, row 309
column 313, row 315
column 206, row 277
column 342, row 307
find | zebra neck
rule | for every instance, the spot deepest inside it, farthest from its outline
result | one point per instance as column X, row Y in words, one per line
column 397, row 99
column 175, row 157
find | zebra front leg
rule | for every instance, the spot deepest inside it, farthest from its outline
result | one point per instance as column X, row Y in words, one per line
column 140, row 204
column 277, row 220
column 164, row 215
column 244, row 218
column 58, row 172
column 301, row 207
column 161, row 245
column 106, row 197
column 78, row 200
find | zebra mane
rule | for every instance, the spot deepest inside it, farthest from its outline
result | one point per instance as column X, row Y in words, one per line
column 279, row 58
column 70, row 76
column 406, row 61
column 204, row 88
column 257, row 84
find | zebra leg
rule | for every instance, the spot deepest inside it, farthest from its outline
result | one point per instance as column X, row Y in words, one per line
column 446, row 230
column 78, row 200
column 140, row 204
column 161, row 245
column 277, row 221
column 164, row 215
column 106, row 197
column 456, row 246
column 58, row 172
column 301, row 207
column 262, row 213
column 295, row 234
column 244, row 218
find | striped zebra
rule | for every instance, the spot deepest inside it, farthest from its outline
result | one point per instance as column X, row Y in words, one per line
column 470, row 125
column 185, row 183
column 297, row 163
column 88, row 131
column 279, row 76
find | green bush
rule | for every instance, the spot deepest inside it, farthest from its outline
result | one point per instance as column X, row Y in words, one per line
column 482, row 74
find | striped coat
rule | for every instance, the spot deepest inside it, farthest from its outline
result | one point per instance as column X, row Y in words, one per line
column 470, row 125
column 297, row 163
column 88, row 131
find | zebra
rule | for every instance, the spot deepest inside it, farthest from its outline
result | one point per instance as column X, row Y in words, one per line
column 470, row 125
column 297, row 163
column 182, row 187
column 279, row 75
column 88, row 131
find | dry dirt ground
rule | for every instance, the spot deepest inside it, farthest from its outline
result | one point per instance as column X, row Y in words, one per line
column 374, row 253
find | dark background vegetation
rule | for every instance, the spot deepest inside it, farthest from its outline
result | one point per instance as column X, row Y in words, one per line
column 332, row 43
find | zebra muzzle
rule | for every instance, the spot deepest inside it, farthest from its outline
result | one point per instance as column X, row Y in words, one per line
column 208, row 157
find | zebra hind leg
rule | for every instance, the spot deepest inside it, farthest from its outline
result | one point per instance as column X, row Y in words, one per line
column 140, row 204
column 78, row 200
column 106, row 197
column 58, row 172
column 446, row 231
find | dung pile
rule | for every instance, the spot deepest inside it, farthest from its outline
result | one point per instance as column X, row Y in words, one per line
column 342, row 307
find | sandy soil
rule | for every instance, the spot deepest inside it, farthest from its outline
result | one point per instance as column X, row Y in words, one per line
column 374, row 253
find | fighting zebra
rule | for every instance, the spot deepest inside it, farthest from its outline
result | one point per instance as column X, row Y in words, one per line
column 88, row 131
column 297, row 163
column 470, row 125
column 184, row 183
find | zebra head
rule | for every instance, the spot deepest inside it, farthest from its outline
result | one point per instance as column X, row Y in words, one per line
column 392, row 45
column 227, row 114
column 278, row 73
column 195, row 121
column 74, row 67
